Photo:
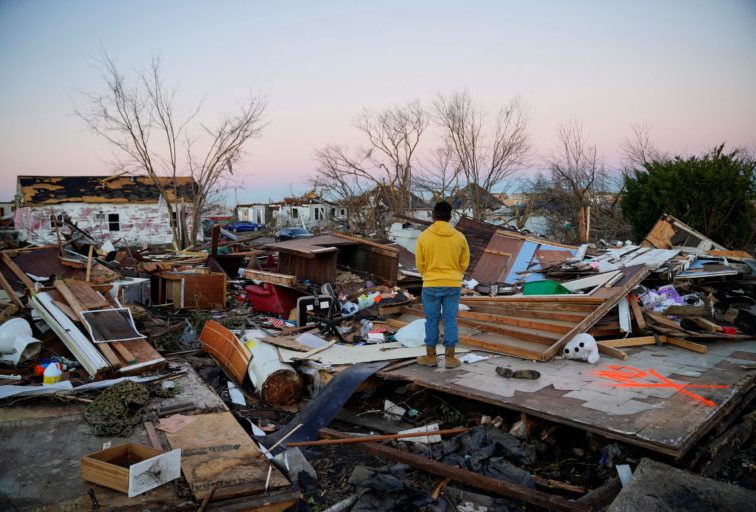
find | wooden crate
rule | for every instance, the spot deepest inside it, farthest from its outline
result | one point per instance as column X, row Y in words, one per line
column 131, row 468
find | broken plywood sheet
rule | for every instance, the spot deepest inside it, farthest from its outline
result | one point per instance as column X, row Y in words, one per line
column 345, row 354
column 663, row 398
column 216, row 451
column 670, row 231
column 590, row 281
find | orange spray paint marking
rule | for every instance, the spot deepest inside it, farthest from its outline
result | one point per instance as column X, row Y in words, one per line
column 629, row 377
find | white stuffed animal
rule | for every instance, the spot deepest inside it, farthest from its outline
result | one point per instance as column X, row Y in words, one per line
column 582, row 348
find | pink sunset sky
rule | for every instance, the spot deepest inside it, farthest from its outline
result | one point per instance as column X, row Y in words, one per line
column 684, row 68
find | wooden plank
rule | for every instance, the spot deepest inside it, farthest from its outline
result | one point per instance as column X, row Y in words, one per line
column 507, row 320
column 630, row 342
column 8, row 312
column 478, row 481
column 374, row 438
column 10, row 292
column 521, row 333
column 640, row 321
column 498, row 346
column 109, row 354
column 216, row 451
column 689, row 345
column 85, row 295
column 611, row 351
column 124, row 353
column 149, row 427
column 270, row 277
column 89, row 263
column 18, row 272
column 531, row 313
column 509, row 299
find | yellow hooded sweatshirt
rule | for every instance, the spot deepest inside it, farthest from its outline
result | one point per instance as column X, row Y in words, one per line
column 442, row 255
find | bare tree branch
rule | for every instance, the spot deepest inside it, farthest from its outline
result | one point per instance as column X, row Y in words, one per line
column 486, row 155
column 128, row 116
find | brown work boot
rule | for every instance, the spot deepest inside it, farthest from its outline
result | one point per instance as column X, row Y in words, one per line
column 429, row 359
column 450, row 361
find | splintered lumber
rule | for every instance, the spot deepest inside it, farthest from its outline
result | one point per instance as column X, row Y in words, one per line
column 478, row 481
column 386, row 437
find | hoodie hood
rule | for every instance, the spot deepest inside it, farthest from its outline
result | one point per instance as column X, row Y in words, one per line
column 441, row 228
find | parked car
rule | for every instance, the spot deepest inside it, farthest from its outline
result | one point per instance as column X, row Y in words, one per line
column 291, row 234
column 244, row 226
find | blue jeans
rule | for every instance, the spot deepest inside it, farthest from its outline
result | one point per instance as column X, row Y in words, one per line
column 441, row 302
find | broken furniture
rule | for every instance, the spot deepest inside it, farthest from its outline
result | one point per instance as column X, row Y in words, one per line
column 189, row 290
column 316, row 259
column 131, row 468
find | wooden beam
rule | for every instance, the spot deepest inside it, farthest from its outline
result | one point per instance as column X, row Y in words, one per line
column 8, row 312
column 18, row 272
column 122, row 351
column 640, row 321
column 611, row 351
column 10, row 292
column 478, row 481
column 689, row 345
column 89, row 262
column 631, row 342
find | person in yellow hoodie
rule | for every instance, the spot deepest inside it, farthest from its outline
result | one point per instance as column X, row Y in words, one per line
column 442, row 257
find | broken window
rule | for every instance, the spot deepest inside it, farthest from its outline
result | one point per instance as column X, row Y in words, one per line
column 56, row 221
column 319, row 213
column 114, row 223
column 295, row 212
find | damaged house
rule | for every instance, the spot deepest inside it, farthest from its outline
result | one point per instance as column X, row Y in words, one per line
column 110, row 208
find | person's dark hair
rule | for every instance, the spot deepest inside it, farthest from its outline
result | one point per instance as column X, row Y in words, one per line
column 442, row 211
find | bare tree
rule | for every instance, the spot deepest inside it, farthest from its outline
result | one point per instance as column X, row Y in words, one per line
column 638, row 148
column 487, row 155
column 578, row 190
column 439, row 176
column 141, row 121
column 385, row 163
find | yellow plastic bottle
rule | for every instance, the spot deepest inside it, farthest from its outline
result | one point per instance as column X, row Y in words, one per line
column 52, row 374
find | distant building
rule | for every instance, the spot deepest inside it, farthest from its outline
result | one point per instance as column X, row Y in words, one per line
column 309, row 210
column 109, row 208
column 7, row 209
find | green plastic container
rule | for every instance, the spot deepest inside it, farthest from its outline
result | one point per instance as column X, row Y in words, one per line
column 544, row 287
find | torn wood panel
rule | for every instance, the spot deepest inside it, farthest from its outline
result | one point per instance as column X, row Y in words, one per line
column 217, row 452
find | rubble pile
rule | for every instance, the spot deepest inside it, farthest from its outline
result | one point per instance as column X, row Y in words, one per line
column 258, row 347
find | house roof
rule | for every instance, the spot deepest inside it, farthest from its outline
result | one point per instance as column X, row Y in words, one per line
column 36, row 190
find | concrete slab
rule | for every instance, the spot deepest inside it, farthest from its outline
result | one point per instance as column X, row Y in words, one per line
column 657, row 487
